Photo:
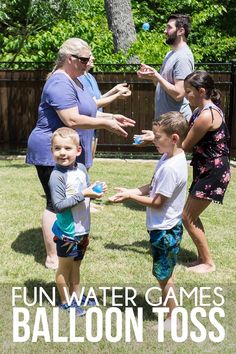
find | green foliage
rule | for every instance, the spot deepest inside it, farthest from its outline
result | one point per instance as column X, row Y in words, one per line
column 33, row 30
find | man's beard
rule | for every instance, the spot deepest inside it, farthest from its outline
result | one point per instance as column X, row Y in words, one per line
column 172, row 38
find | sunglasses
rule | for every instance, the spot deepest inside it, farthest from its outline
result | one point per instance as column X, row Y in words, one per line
column 81, row 59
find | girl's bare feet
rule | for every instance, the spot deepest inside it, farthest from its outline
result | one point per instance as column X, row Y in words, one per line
column 194, row 263
column 202, row 268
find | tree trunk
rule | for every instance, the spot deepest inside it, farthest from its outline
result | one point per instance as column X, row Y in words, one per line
column 121, row 23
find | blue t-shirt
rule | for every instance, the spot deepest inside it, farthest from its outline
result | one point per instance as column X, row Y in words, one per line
column 59, row 92
column 90, row 84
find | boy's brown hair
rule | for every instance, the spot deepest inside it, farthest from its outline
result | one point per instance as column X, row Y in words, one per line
column 66, row 132
column 173, row 123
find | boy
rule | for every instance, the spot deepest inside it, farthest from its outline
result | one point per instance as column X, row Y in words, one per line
column 164, row 198
column 70, row 190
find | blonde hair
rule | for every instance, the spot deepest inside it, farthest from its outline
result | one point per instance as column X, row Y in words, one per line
column 173, row 123
column 70, row 46
column 66, row 132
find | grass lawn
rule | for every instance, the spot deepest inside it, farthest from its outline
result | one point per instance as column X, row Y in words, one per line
column 118, row 256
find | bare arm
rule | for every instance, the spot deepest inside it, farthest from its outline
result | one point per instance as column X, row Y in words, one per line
column 122, row 88
column 200, row 127
column 155, row 202
column 176, row 90
column 121, row 120
column 119, row 91
column 104, row 101
column 73, row 119
column 140, row 196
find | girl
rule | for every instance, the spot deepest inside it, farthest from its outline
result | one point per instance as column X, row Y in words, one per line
column 207, row 139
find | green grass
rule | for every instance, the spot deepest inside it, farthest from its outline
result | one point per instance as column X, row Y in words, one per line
column 118, row 256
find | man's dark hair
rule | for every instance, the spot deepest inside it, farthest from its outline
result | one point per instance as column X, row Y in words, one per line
column 181, row 21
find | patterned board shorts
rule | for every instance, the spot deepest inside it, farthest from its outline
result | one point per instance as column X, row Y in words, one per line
column 75, row 249
column 165, row 247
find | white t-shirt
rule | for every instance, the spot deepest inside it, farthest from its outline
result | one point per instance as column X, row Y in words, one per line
column 170, row 180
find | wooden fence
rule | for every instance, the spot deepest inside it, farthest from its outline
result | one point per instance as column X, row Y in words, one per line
column 20, row 95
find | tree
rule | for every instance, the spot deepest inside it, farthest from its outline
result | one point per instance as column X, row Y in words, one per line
column 20, row 20
column 121, row 23
column 33, row 30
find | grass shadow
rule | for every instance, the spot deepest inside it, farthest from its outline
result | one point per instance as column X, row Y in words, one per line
column 134, row 206
column 128, row 204
column 135, row 246
column 185, row 256
column 31, row 242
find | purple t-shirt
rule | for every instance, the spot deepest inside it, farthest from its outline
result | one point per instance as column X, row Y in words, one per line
column 59, row 93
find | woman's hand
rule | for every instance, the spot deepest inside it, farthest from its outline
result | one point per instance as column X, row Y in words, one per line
column 123, row 121
column 123, row 90
column 112, row 126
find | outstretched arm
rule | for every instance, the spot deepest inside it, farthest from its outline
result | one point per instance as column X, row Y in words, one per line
column 123, row 121
column 119, row 91
column 176, row 90
column 125, row 194
column 71, row 118
column 147, row 138
column 122, row 89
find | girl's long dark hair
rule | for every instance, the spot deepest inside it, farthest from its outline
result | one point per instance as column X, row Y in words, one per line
column 202, row 79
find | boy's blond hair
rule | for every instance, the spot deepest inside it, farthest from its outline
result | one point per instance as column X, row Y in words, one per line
column 66, row 132
column 173, row 123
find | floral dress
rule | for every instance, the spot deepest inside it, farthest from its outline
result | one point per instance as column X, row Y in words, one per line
column 210, row 161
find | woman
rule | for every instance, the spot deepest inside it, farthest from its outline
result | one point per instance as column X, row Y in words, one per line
column 90, row 84
column 64, row 103
column 207, row 139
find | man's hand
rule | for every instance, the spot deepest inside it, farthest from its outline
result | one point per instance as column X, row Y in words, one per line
column 147, row 72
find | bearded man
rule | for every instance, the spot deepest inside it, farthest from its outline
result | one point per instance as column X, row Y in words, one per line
column 177, row 64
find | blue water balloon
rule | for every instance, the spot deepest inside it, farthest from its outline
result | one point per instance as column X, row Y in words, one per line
column 138, row 140
column 146, row 26
column 98, row 188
